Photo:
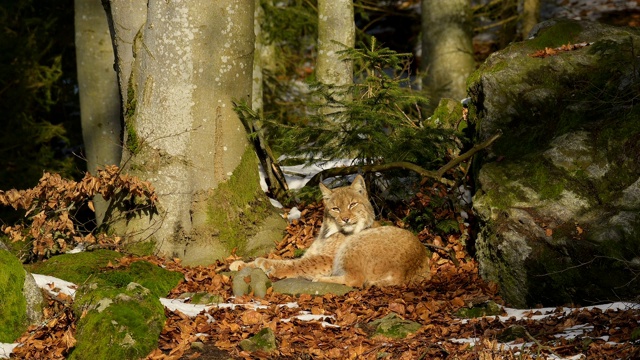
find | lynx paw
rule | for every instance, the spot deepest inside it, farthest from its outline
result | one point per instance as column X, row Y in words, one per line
column 264, row 264
column 237, row 265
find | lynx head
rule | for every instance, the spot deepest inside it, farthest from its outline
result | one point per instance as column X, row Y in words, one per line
column 346, row 209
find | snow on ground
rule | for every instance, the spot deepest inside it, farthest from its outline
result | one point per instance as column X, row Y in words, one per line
column 6, row 349
column 55, row 286
column 542, row 313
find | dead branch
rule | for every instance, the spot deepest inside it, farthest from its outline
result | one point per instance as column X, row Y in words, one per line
column 404, row 165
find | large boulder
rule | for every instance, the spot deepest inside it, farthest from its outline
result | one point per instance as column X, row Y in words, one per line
column 119, row 310
column 21, row 299
column 558, row 195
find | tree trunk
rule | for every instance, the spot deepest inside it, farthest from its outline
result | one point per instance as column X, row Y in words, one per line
column 98, row 89
column 264, row 59
column 336, row 32
column 447, row 51
column 190, row 60
column 530, row 15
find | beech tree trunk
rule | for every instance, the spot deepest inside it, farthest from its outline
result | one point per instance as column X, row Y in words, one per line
column 530, row 15
column 336, row 32
column 447, row 51
column 264, row 59
column 98, row 90
column 181, row 63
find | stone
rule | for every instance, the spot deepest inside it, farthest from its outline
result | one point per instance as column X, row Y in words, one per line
column 558, row 195
column 296, row 286
column 393, row 326
column 264, row 340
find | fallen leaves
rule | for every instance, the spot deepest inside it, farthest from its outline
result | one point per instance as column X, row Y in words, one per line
column 340, row 332
column 555, row 51
column 53, row 340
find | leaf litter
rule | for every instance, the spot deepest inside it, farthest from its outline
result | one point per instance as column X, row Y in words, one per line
column 334, row 327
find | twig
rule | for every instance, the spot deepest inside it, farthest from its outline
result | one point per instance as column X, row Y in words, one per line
column 437, row 175
column 451, row 254
column 543, row 347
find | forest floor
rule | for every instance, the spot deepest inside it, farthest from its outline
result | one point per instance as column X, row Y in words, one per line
column 335, row 327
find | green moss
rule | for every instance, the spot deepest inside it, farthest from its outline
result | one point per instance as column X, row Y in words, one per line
column 394, row 326
column 91, row 267
column 206, row 298
column 140, row 248
column 448, row 114
column 125, row 316
column 512, row 333
column 13, row 306
column 544, row 178
column 76, row 268
column 489, row 308
column 127, row 328
column 238, row 206
column 133, row 143
column 264, row 340
column 486, row 68
column 563, row 32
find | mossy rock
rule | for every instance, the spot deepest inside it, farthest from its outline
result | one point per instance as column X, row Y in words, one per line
column 512, row 333
column 91, row 267
column 119, row 322
column 76, row 268
column 13, row 306
column 489, row 308
column 392, row 326
column 263, row 340
column 558, row 197
column 103, row 283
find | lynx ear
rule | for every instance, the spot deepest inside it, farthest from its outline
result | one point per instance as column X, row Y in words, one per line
column 359, row 185
column 326, row 192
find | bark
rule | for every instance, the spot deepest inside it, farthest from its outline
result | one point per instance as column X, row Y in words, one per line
column 530, row 15
column 190, row 60
column 264, row 59
column 447, row 51
column 98, row 90
column 336, row 32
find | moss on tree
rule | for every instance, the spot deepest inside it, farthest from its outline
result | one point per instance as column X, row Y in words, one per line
column 237, row 207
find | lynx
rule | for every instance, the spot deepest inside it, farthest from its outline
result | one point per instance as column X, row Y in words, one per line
column 351, row 248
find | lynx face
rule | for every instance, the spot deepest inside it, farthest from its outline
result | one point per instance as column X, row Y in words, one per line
column 346, row 209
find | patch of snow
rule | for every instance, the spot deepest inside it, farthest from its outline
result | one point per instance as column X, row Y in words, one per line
column 294, row 214
column 275, row 203
column 573, row 332
column 191, row 310
column 6, row 350
column 307, row 316
column 54, row 286
column 79, row 248
column 546, row 312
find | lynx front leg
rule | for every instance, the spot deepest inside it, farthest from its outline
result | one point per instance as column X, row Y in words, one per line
column 308, row 268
